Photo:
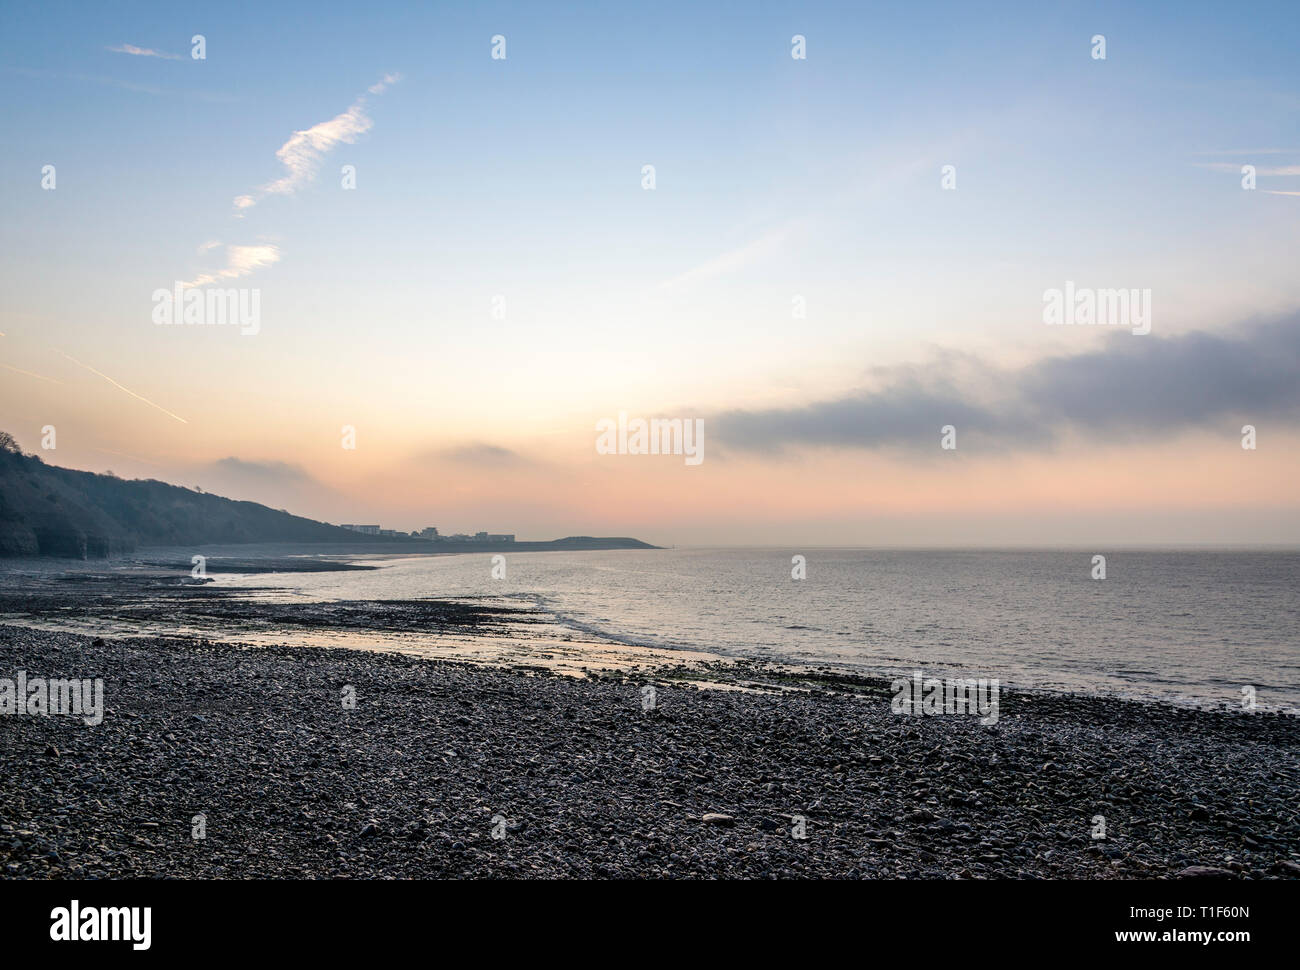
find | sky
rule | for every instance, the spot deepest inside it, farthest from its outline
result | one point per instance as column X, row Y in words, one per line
column 805, row 276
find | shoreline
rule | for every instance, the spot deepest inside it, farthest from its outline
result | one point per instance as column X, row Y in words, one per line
column 588, row 784
column 158, row 598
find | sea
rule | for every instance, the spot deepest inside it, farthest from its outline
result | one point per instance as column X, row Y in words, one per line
column 1202, row 627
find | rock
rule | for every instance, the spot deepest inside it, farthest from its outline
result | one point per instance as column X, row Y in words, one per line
column 295, row 771
column 51, row 751
column 1203, row 872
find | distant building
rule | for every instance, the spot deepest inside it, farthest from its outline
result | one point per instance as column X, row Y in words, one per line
column 431, row 532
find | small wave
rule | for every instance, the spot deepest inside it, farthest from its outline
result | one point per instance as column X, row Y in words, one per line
column 600, row 632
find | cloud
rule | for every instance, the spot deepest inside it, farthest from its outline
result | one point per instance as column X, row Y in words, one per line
column 384, row 83
column 1268, row 170
column 142, row 52
column 481, row 453
column 1251, row 151
column 1134, row 385
column 278, row 484
column 1235, row 169
column 240, row 261
column 208, row 97
column 881, row 181
column 761, row 248
column 263, row 472
column 302, row 154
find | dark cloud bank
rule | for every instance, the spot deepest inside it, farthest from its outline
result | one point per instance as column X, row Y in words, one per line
column 1134, row 386
column 261, row 472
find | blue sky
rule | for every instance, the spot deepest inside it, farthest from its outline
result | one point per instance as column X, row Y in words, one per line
column 479, row 177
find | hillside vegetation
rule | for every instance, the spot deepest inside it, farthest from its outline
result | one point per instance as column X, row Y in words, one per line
column 51, row 511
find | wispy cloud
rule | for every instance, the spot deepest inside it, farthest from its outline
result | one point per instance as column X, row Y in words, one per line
column 240, row 261
column 1234, row 168
column 384, row 83
column 770, row 242
column 301, row 157
column 1251, row 151
column 740, row 258
column 142, row 52
column 208, row 97
column 302, row 154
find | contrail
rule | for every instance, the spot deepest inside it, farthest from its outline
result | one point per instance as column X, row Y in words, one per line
column 120, row 387
column 19, row 370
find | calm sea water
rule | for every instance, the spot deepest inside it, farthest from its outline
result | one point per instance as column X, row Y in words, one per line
column 1189, row 626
